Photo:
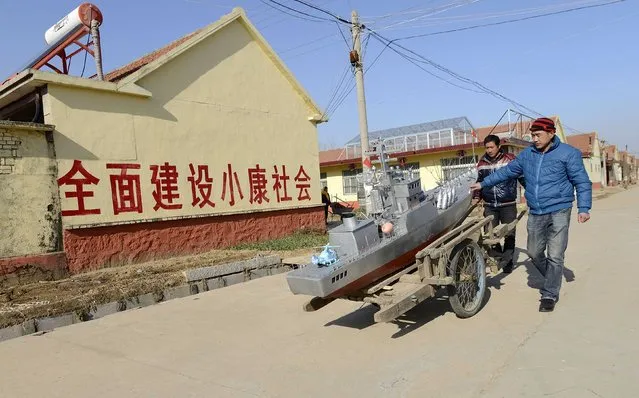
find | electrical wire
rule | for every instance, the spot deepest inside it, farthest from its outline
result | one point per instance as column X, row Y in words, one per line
column 322, row 10
column 341, row 82
column 486, row 16
column 312, row 18
column 418, row 58
column 509, row 21
column 434, row 11
column 343, row 36
column 307, row 43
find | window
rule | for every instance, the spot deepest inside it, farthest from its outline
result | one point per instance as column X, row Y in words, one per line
column 349, row 181
column 323, row 183
column 452, row 167
column 411, row 166
column 460, row 138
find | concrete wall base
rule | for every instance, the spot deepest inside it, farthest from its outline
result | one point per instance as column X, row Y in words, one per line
column 95, row 248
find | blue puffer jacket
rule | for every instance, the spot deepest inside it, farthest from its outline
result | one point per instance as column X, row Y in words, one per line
column 551, row 178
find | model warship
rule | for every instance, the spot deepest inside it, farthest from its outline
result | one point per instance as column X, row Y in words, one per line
column 402, row 219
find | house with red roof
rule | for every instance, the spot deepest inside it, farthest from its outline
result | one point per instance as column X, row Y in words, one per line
column 592, row 155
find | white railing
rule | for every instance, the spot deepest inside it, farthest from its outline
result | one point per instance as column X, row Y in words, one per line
column 416, row 142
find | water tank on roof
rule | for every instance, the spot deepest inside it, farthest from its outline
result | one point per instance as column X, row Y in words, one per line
column 72, row 22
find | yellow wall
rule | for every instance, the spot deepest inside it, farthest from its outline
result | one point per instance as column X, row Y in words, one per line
column 28, row 198
column 430, row 172
column 560, row 131
column 221, row 102
column 592, row 164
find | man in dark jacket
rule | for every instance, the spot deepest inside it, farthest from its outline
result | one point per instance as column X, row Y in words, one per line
column 552, row 171
column 500, row 201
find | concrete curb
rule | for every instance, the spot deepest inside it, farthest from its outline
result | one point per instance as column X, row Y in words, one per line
column 198, row 281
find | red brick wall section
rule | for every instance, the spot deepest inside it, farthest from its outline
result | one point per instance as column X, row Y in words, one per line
column 94, row 248
column 16, row 270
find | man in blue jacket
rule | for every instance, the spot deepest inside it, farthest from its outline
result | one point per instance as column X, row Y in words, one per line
column 552, row 171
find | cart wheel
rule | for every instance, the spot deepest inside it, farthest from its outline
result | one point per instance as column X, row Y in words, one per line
column 468, row 269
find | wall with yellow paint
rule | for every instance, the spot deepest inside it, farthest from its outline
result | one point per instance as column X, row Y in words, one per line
column 592, row 164
column 221, row 103
column 430, row 171
column 28, row 195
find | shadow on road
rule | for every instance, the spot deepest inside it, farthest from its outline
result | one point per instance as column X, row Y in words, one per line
column 412, row 320
column 535, row 279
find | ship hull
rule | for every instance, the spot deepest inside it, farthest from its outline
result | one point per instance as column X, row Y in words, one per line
column 349, row 277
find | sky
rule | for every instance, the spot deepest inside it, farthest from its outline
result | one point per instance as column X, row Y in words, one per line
column 579, row 65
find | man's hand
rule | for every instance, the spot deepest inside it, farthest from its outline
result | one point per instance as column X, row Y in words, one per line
column 583, row 217
column 475, row 187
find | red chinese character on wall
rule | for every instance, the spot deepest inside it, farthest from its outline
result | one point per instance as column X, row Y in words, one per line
column 79, row 193
column 202, row 184
column 125, row 189
column 165, row 178
column 257, row 184
column 280, row 185
column 230, row 177
column 300, row 178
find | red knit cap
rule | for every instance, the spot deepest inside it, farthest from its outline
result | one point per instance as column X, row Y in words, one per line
column 544, row 124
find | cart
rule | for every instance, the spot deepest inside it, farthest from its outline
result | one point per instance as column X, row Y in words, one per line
column 457, row 261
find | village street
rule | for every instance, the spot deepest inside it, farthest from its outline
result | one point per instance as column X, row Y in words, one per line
column 253, row 339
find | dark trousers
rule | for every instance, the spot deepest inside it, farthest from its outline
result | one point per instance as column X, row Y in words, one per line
column 504, row 215
column 547, row 243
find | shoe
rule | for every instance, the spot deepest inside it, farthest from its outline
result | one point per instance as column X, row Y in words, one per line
column 508, row 268
column 547, row 305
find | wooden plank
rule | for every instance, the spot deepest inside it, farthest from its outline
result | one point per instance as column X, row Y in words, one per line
column 391, row 279
column 424, row 268
column 465, row 234
column 495, row 235
column 410, row 278
column 439, row 281
column 408, row 300
column 433, row 246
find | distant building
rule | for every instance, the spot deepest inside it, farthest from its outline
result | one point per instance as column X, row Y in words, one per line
column 439, row 150
column 613, row 165
column 591, row 153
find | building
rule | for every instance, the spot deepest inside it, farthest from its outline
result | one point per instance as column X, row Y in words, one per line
column 519, row 129
column 592, row 155
column 437, row 149
column 613, row 165
column 184, row 150
column 628, row 172
column 632, row 169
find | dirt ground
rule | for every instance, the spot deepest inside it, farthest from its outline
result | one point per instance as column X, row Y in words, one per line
column 82, row 292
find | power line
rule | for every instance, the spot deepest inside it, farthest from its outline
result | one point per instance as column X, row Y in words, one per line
column 485, row 16
column 336, row 90
column 307, row 43
column 323, row 11
column 414, row 62
column 509, row 21
column 436, row 10
column 314, row 18
column 343, row 36
column 422, row 59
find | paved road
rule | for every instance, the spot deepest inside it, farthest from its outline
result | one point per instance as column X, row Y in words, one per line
column 253, row 339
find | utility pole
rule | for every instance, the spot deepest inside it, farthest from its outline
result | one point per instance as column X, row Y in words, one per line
column 357, row 63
